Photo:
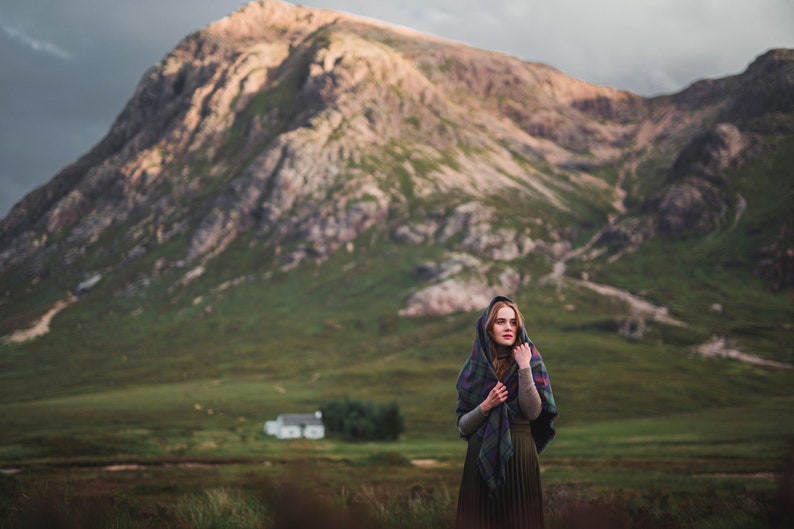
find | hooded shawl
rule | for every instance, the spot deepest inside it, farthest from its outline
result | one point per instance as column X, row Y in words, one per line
column 477, row 377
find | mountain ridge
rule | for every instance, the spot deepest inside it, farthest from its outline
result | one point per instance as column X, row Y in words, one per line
column 296, row 132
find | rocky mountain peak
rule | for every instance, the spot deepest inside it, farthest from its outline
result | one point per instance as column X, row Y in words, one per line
column 296, row 130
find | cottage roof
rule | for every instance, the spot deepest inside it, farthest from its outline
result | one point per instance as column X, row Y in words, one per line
column 300, row 419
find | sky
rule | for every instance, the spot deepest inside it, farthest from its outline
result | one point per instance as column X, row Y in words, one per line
column 67, row 68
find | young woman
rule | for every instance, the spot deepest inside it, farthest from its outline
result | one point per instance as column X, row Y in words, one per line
column 506, row 412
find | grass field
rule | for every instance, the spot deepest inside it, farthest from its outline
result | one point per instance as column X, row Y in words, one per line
column 650, row 434
column 181, row 455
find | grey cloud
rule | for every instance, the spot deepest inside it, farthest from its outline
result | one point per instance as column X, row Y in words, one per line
column 55, row 110
column 35, row 44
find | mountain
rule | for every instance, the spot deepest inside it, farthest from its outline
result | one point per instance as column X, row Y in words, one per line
column 288, row 176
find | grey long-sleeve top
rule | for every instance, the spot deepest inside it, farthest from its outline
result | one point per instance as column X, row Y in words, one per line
column 528, row 403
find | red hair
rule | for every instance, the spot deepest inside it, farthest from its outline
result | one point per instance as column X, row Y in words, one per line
column 501, row 366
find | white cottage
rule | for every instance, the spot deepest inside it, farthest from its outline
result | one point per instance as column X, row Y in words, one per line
column 295, row 426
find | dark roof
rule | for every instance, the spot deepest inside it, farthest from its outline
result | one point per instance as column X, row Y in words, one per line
column 300, row 419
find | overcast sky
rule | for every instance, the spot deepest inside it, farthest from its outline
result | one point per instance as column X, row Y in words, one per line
column 68, row 67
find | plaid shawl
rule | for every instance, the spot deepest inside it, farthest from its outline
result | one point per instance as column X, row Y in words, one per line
column 477, row 377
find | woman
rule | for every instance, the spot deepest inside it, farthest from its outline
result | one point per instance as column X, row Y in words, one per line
column 506, row 411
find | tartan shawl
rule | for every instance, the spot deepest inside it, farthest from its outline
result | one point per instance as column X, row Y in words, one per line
column 476, row 378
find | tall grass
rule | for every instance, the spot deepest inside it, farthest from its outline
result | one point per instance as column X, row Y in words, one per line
column 371, row 507
column 418, row 508
column 220, row 508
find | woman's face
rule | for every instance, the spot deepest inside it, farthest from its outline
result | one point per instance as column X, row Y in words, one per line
column 505, row 327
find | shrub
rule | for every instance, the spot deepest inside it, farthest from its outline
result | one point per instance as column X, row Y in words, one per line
column 363, row 421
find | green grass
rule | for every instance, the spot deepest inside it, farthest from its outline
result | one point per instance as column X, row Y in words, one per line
column 680, row 470
column 645, row 426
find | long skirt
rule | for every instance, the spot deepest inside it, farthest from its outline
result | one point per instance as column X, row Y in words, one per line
column 518, row 504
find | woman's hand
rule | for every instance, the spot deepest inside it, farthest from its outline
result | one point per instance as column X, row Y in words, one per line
column 522, row 354
column 496, row 396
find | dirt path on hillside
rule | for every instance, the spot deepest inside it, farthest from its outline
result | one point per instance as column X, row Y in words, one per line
column 720, row 347
column 717, row 347
column 639, row 307
column 42, row 326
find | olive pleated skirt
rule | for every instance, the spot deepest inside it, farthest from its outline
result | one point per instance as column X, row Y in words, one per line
column 518, row 504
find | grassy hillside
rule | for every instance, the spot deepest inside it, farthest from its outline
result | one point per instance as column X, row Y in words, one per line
column 288, row 342
column 240, row 316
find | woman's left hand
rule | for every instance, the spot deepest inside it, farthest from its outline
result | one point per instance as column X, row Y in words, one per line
column 522, row 354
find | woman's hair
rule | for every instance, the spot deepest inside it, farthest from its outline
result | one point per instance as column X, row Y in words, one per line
column 500, row 366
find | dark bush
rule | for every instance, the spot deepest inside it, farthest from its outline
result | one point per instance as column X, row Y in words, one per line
column 363, row 421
